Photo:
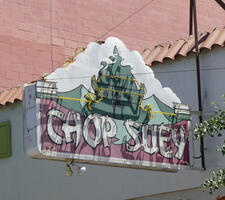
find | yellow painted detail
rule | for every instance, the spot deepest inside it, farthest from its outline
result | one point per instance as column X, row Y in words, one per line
column 165, row 113
column 148, row 109
column 91, row 97
column 119, row 77
column 74, row 99
column 131, row 93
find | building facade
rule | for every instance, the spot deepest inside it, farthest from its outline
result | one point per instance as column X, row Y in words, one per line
column 36, row 36
column 46, row 179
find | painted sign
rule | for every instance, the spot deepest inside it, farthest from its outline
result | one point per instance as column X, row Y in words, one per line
column 106, row 108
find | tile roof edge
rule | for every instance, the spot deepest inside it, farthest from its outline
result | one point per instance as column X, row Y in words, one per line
column 11, row 95
column 184, row 47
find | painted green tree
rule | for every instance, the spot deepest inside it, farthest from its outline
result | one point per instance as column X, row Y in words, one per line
column 121, row 92
column 215, row 126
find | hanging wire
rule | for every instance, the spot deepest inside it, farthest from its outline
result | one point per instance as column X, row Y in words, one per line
column 221, row 3
column 137, row 74
column 124, row 20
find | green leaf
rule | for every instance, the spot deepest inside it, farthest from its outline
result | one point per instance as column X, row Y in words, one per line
column 215, row 126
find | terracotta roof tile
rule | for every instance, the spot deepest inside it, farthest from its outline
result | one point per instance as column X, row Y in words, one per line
column 11, row 95
column 221, row 38
column 150, row 56
column 182, row 47
column 158, row 54
column 162, row 54
column 185, row 47
column 175, row 49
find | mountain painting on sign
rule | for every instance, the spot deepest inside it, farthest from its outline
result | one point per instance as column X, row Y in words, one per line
column 107, row 108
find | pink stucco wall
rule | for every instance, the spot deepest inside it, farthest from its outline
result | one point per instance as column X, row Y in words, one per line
column 37, row 35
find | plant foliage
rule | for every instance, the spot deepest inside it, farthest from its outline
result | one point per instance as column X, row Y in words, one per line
column 215, row 126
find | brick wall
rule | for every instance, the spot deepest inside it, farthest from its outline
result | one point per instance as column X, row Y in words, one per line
column 37, row 35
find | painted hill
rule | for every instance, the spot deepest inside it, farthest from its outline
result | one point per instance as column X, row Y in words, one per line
column 77, row 93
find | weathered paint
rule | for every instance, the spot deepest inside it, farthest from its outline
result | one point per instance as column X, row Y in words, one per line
column 26, row 178
column 119, row 116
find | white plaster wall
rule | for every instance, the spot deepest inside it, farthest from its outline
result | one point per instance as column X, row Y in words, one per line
column 180, row 75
